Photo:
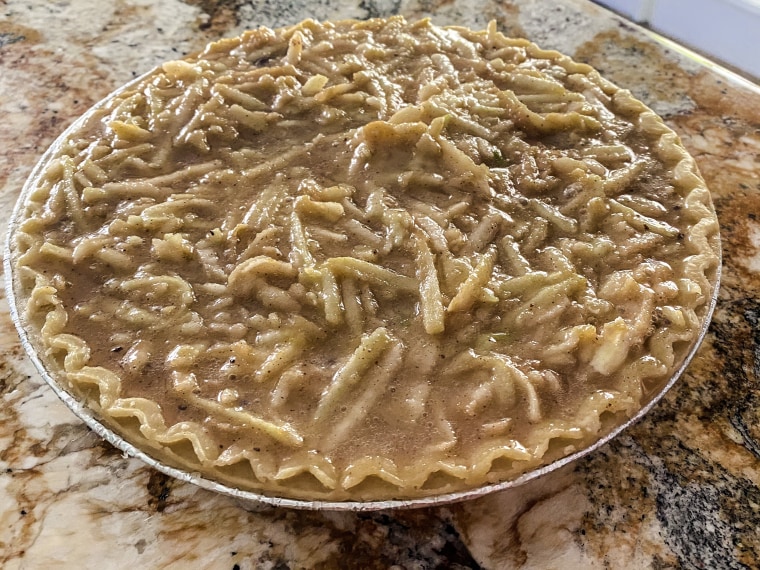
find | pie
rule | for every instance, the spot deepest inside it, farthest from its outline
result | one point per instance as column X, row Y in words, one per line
column 365, row 260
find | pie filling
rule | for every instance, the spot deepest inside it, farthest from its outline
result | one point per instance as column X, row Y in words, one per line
column 366, row 260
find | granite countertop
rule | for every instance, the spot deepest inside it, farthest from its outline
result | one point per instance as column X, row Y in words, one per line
column 681, row 489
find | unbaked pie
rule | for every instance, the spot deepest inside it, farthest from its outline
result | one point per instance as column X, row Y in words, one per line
column 365, row 260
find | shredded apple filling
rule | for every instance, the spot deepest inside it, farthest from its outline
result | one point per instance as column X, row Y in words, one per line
column 366, row 260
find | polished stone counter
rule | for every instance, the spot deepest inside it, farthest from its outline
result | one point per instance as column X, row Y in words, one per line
column 681, row 489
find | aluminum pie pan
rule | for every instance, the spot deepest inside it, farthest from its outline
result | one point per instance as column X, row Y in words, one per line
column 253, row 499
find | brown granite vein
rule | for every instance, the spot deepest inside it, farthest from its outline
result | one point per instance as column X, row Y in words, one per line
column 219, row 16
column 11, row 33
column 20, row 484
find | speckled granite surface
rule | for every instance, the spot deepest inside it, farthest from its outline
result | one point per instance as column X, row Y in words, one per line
column 679, row 490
